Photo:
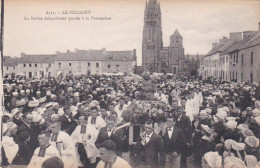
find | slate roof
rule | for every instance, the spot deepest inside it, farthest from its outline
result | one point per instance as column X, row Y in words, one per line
column 82, row 55
column 95, row 55
column 9, row 61
column 231, row 46
column 255, row 40
column 37, row 59
column 239, row 44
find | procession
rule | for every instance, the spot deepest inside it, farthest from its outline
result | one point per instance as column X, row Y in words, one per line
column 143, row 121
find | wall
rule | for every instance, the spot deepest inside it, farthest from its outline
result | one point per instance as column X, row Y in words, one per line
column 8, row 70
column 36, row 71
column 247, row 68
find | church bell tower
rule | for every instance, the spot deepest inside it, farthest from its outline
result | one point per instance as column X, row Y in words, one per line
column 152, row 36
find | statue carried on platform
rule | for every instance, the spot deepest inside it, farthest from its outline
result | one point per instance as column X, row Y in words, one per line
column 148, row 88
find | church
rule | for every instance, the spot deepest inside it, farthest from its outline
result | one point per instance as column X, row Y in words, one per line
column 156, row 57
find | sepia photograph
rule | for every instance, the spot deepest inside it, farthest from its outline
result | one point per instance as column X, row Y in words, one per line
column 130, row 84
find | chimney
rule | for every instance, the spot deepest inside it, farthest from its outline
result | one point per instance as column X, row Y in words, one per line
column 68, row 51
column 22, row 54
column 214, row 45
column 235, row 36
column 258, row 26
column 223, row 40
column 104, row 50
column 76, row 50
column 134, row 53
column 246, row 34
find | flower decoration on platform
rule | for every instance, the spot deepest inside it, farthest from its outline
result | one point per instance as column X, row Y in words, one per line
column 139, row 111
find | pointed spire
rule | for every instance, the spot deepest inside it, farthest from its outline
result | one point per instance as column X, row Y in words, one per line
column 176, row 33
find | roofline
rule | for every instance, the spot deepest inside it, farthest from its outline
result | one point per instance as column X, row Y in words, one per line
column 96, row 60
column 249, row 47
column 211, row 53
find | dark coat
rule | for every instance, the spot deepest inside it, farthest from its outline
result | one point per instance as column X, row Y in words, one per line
column 66, row 125
column 117, row 138
column 34, row 131
column 148, row 154
column 18, row 122
column 185, row 125
column 23, row 155
column 257, row 93
column 176, row 143
column 229, row 134
column 220, row 129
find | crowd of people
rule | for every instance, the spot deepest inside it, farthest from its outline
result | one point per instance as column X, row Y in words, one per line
column 76, row 122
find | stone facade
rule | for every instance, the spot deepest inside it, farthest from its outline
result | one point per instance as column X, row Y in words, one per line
column 155, row 57
column 78, row 62
column 236, row 58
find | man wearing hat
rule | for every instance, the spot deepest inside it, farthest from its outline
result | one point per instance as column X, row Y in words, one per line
column 33, row 105
column 30, row 127
column 16, row 113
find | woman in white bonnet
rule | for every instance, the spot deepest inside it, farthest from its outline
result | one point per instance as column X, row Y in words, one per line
column 211, row 160
column 10, row 148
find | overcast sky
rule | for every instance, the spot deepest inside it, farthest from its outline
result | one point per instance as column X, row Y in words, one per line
column 199, row 22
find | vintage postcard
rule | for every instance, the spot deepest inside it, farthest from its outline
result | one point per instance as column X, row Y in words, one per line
column 130, row 83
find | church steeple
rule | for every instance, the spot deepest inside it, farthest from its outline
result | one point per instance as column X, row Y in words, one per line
column 176, row 33
column 175, row 39
column 152, row 35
